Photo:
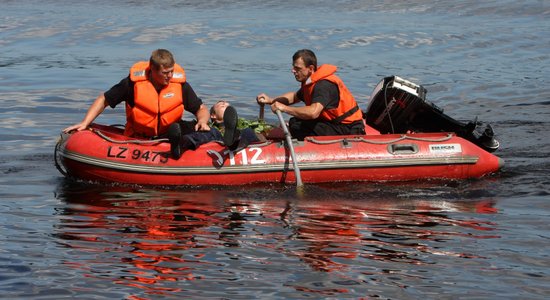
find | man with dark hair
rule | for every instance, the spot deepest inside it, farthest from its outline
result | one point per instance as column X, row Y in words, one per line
column 156, row 95
column 330, row 108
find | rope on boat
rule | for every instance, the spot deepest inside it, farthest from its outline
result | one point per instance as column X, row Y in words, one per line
column 63, row 136
column 56, row 156
column 154, row 141
column 310, row 139
column 364, row 140
column 443, row 139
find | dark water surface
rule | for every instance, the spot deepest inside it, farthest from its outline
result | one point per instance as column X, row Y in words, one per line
column 474, row 239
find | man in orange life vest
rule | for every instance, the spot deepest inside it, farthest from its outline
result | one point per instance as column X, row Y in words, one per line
column 156, row 94
column 330, row 108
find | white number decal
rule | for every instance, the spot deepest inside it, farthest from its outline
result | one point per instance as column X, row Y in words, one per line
column 256, row 152
column 231, row 158
column 255, row 158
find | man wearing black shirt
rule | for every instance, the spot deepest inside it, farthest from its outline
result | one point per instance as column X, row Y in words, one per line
column 156, row 94
column 330, row 108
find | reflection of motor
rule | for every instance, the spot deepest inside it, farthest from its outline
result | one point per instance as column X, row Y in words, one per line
column 397, row 106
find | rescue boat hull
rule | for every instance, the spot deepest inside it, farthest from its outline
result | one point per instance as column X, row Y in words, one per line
column 104, row 154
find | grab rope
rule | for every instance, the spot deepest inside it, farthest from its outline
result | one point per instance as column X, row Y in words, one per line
column 364, row 140
column 262, row 144
column 56, row 156
column 63, row 136
column 155, row 141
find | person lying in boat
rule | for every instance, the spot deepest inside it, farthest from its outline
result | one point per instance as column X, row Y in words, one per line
column 330, row 108
column 157, row 93
column 237, row 132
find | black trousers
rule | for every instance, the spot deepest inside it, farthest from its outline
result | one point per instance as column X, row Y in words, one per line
column 299, row 128
column 193, row 139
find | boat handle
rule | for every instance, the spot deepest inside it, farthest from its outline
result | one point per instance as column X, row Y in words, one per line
column 397, row 149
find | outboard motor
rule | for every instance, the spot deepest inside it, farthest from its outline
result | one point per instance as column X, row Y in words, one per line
column 398, row 105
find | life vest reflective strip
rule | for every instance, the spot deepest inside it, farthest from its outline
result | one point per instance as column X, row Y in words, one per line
column 153, row 111
column 347, row 111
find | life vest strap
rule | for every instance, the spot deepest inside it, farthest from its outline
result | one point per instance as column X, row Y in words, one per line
column 345, row 115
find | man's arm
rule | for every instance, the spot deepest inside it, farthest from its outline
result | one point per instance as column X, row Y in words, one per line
column 194, row 105
column 203, row 117
column 309, row 112
column 93, row 112
column 284, row 101
column 325, row 96
column 116, row 94
column 286, row 98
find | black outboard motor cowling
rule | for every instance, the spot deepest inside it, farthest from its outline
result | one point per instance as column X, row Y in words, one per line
column 398, row 105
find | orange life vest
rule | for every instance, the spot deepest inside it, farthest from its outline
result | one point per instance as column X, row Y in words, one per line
column 347, row 111
column 153, row 111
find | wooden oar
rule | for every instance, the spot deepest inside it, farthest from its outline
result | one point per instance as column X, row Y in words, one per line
column 290, row 146
column 261, row 116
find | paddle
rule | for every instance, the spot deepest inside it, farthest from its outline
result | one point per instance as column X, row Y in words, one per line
column 288, row 137
column 261, row 116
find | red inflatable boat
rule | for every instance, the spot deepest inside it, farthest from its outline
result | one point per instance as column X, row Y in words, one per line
column 104, row 154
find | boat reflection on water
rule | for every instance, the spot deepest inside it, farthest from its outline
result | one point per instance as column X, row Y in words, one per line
column 329, row 235
column 139, row 238
column 154, row 240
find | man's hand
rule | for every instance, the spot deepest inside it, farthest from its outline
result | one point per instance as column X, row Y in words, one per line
column 77, row 127
column 263, row 99
column 278, row 106
column 95, row 110
column 202, row 126
column 203, row 116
